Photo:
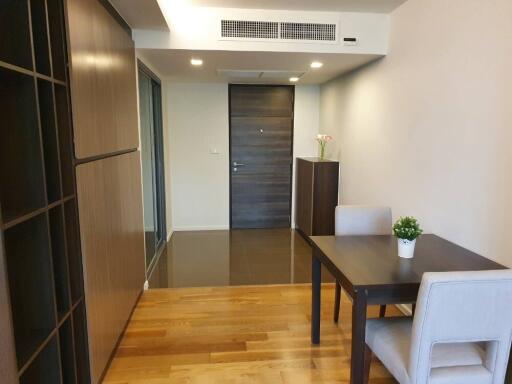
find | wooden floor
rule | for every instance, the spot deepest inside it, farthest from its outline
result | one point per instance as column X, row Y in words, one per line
column 256, row 334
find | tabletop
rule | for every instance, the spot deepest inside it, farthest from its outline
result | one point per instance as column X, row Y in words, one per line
column 372, row 261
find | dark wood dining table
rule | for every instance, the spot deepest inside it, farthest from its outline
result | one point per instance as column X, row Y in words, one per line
column 370, row 271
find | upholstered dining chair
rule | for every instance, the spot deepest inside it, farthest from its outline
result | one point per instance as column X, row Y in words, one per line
column 360, row 220
column 461, row 332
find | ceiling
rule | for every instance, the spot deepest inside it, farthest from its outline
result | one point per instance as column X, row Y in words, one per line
column 251, row 67
column 141, row 14
column 147, row 14
column 377, row 6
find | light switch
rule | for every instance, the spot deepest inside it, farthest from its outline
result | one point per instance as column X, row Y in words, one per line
column 214, row 151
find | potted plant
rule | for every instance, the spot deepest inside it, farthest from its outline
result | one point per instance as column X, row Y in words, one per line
column 322, row 141
column 407, row 230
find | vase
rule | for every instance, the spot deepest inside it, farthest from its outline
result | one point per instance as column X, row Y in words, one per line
column 406, row 248
column 322, row 151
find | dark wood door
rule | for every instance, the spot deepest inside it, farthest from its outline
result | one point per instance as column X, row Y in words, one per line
column 261, row 136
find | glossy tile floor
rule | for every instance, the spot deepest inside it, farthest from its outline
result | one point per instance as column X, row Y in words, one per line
column 236, row 257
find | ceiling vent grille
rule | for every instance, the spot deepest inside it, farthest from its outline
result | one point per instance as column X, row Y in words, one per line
column 250, row 29
column 278, row 31
column 308, row 31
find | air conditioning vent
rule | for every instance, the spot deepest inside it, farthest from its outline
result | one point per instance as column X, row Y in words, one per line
column 250, row 29
column 308, row 31
column 278, row 31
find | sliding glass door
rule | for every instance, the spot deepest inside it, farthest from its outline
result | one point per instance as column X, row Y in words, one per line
column 150, row 104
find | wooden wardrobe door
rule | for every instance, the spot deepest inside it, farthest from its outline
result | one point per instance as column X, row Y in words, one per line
column 112, row 236
column 103, row 81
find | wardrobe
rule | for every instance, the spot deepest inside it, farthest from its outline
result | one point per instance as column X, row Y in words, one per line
column 71, row 223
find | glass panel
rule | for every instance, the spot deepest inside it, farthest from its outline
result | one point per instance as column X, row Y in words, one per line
column 27, row 250
column 159, row 165
column 21, row 171
column 14, row 29
column 148, row 161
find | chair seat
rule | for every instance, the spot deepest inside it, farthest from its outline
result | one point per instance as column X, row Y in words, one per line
column 390, row 340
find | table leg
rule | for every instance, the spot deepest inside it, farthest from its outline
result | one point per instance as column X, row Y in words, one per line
column 382, row 311
column 337, row 299
column 316, row 277
column 357, row 365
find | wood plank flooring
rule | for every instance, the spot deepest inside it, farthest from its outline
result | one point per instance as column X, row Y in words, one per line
column 227, row 335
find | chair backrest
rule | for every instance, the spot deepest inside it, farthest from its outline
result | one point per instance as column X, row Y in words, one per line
column 362, row 220
column 463, row 307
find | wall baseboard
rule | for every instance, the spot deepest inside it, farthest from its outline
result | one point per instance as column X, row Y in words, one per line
column 202, row 228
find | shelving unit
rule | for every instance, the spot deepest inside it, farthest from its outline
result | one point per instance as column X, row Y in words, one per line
column 38, row 213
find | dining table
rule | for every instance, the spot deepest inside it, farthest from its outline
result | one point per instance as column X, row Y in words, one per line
column 370, row 271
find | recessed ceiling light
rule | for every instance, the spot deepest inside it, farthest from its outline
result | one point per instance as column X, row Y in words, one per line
column 294, row 79
column 316, row 64
column 196, row 62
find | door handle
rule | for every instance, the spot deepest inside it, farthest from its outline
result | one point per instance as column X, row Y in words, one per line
column 235, row 164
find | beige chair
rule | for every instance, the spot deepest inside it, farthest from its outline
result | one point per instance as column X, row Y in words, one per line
column 461, row 332
column 360, row 220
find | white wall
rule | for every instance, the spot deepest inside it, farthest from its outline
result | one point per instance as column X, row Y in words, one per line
column 198, row 122
column 306, row 121
column 427, row 129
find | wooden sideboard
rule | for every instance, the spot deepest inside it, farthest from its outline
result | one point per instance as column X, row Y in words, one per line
column 316, row 191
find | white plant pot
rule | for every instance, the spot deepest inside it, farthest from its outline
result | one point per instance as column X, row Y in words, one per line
column 406, row 248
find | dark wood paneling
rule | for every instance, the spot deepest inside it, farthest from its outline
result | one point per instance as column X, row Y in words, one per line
column 103, row 81
column 21, row 171
column 83, row 373
column 65, row 140
column 45, row 367
column 50, row 142
column 112, row 235
column 14, row 29
column 259, row 101
column 33, row 93
column 261, row 135
column 325, row 197
column 57, row 38
column 27, row 248
column 7, row 355
column 40, row 37
column 316, row 196
column 304, row 196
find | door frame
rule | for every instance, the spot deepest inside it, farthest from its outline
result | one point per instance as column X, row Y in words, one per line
column 158, row 140
column 292, row 87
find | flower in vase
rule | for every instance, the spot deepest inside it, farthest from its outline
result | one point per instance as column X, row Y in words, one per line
column 322, row 141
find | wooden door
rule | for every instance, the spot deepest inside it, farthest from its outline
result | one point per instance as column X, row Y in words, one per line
column 261, row 147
